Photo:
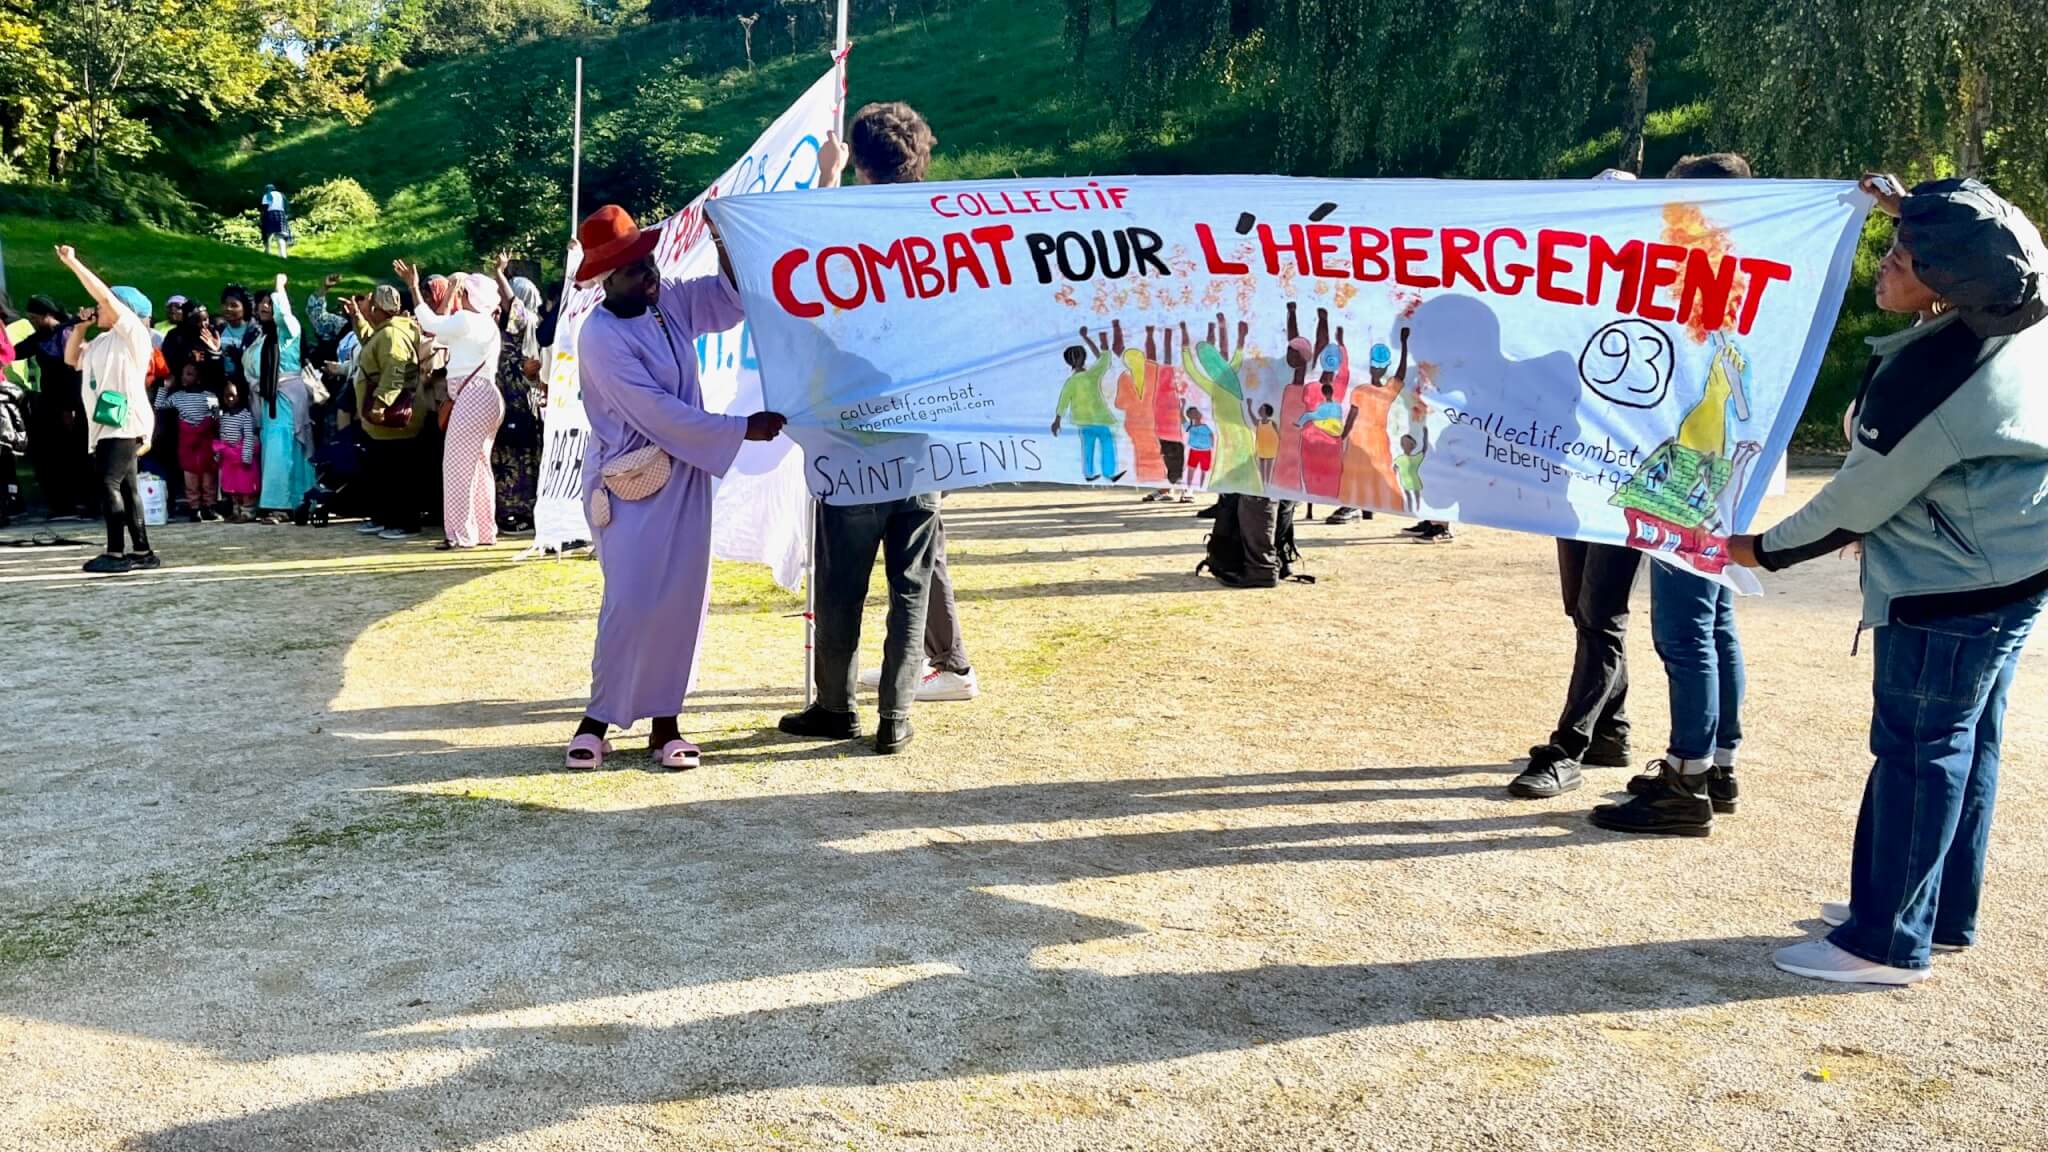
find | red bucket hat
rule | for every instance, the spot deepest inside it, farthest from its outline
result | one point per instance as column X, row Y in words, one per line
column 610, row 241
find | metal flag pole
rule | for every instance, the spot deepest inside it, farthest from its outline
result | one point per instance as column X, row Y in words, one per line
column 811, row 510
column 576, row 155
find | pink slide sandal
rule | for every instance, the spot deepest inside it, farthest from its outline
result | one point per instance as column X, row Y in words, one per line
column 679, row 755
column 593, row 750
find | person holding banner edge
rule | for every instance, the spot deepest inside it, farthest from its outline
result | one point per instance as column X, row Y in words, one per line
column 888, row 144
column 1942, row 487
column 648, row 472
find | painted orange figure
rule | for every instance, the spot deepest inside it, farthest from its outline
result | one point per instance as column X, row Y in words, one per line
column 1135, row 387
column 1368, row 480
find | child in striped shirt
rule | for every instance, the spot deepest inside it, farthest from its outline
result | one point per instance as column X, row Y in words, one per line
column 198, row 427
column 241, row 475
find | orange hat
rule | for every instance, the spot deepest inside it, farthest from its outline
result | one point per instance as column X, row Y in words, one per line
column 610, row 241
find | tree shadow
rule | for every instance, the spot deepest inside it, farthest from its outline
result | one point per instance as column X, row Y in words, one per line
column 855, row 938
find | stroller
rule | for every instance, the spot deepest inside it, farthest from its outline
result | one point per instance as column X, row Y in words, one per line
column 339, row 456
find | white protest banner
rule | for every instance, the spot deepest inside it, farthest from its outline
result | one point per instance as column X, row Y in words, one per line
column 758, row 512
column 1608, row 361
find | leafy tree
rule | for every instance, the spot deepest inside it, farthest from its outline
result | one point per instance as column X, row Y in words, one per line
column 516, row 149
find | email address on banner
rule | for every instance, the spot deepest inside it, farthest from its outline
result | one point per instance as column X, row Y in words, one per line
column 1538, row 447
column 892, row 413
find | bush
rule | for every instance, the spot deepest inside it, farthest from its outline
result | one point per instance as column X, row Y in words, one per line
column 107, row 199
column 245, row 230
column 336, row 206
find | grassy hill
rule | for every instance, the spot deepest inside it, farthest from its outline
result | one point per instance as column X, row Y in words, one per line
column 996, row 79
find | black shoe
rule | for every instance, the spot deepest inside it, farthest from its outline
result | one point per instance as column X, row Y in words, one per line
column 1208, row 513
column 1434, row 531
column 1722, row 790
column 820, row 723
column 1550, row 773
column 1673, row 805
column 892, row 736
column 1416, row 529
column 1233, row 580
column 144, row 561
column 1608, row 754
column 106, row 563
column 1342, row 516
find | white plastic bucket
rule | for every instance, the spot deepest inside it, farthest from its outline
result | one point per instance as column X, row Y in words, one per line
column 156, row 499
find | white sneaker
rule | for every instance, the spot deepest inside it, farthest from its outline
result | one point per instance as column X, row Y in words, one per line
column 949, row 685
column 1820, row 960
column 369, row 528
column 871, row 678
column 1835, row 913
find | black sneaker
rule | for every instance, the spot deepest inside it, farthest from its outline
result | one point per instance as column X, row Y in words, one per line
column 1550, row 773
column 1416, row 529
column 1673, row 805
column 1342, row 516
column 1722, row 790
column 1608, row 754
column 892, row 736
column 143, row 561
column 1435, row 531
column 821, row 723
column 108, row 564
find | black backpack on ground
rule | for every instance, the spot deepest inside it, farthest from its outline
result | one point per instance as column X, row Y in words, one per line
column 1224, row 545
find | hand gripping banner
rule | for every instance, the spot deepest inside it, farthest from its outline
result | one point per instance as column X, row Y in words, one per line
column 1606, row 361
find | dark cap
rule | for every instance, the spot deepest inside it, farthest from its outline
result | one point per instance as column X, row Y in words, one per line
column 1978, row 252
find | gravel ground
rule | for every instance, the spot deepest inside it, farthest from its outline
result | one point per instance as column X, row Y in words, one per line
column 291, row 864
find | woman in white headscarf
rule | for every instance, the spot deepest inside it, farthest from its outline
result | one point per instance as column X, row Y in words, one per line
column 470, row 333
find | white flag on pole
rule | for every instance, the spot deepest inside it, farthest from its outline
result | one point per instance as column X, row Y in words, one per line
column 758, row 514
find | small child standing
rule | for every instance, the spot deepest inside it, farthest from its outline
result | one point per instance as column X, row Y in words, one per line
column 1268, row 442
column 241, row 476
column 1201, row 453
column 198, row 427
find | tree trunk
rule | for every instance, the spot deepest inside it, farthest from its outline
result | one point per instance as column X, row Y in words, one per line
column 1637, row 112
column 1976, row 93
column 1112, row 16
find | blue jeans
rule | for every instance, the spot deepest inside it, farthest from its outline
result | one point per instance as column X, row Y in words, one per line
column 1918, row 870
column 1692, row 620
column 1097, row 441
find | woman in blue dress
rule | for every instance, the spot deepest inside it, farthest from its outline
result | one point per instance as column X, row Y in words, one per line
column 283, row 405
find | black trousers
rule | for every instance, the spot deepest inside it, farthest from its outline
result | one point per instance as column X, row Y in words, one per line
column 1596, row 581
column 906, row 532
column 57, row 451
column 397, row 476
column 120, row 499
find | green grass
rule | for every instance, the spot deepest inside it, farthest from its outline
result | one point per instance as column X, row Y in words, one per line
column 160, row 899
column 160, row 263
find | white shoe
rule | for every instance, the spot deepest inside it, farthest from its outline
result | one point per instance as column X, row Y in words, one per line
column 369, row 528
column 871, row 678
column 1820, row 960
column 949, row 685
column 1835, row 913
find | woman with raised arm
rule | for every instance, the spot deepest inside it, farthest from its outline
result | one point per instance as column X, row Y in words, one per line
column 113, row 372
column 282, row 403
column 469, row 331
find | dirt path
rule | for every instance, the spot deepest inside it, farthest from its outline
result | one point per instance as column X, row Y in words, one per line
column 291, row 865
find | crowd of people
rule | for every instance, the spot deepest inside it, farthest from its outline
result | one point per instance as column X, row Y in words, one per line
column 263, row 412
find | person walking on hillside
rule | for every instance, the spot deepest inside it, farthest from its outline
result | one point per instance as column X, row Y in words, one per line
column 113, row 373
column 1943, row 488
column 469, row 331
column 389, row 407
column 276, row 225
column 649, row 467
